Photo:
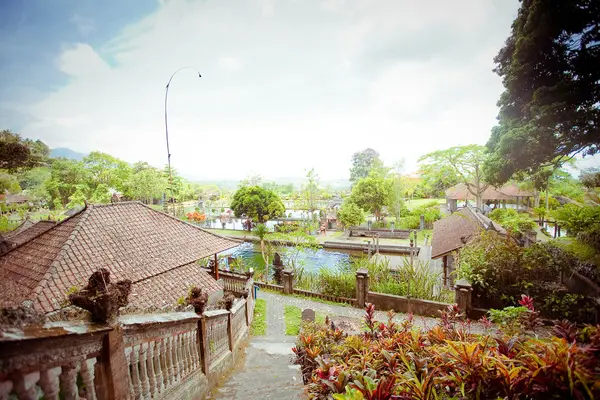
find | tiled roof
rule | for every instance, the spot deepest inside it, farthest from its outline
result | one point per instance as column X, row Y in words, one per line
column 27, row 231
column 461, row 192
column 131, row 240
column 167, row 288
column 453, row 232
column 514, row 191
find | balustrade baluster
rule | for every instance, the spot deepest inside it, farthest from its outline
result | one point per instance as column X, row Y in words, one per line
column 194, row 341
column 186, row 353
column 25, row 386
column 164, row 366
column 180, row 356
column 150, row 368
column 49, row 383
column 158, row 356
column 190, row 348
column 135, row 372
column 169, row 357
column 87, row 374
column 128, row 351
column 174, row 359
column 144, row 372
column 68, row 381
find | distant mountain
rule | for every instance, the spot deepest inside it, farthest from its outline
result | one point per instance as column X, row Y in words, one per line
column 63, row 152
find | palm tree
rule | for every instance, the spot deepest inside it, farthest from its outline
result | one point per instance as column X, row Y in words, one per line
column 261, row 231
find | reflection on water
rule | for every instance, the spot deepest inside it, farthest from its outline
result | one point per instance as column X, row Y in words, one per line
column 237, row 223
column 551, row 229
column 311, row 260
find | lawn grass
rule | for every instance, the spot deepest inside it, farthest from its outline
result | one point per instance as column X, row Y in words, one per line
column 259, row 323
column 412, row 204
column 583, row 251
column 299, row 296
column 293, row 319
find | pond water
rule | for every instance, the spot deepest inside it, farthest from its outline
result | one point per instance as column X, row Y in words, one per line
column 311, row 260
column 237, row 223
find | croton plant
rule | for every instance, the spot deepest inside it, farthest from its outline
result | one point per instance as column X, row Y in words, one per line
column 397, row 360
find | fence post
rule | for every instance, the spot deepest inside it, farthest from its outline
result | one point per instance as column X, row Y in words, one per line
column 288, row 281
column 362, row 287
column 230, row 330
column 462, row 295
column 203, row 338
column 109, row 380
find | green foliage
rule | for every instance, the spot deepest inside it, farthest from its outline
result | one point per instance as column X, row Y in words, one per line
column 513, row 221
column 257, row 203
column 79, row 196
column 446, row 361
column 259, row 323
column 550, row 104
column 350, row 215
column 576, row 219
column 17, row 153
column 372, row 194
column 363, row 162
column 9, row 183
column 508, row 318
column 465, row 163
column 500, row 272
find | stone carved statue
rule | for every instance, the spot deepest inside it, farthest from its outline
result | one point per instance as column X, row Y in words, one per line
column 101, row 297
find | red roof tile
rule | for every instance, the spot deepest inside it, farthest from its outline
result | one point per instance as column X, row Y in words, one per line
column 131, row 240
column 27, row 231
column 454, row 231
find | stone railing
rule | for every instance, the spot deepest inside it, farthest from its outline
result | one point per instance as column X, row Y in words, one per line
column 152, row 356
column 45, row 361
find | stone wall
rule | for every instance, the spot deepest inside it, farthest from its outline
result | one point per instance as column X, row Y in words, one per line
column 402, row 304
column 176, row 355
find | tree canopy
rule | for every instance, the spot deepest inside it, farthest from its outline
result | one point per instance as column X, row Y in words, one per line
column 550, row 67
column 350, row 215
column 17, row 153
column 257, row 203
column 362, row 164
column 465, row 162
column 372, row 194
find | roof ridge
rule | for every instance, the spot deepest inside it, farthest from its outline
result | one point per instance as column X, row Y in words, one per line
column 185, row 222
column 86, row 211
column 58, row 223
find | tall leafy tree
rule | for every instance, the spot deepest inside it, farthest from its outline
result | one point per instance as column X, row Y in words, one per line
column 257, row 203
column 66, row 177
column 106, row 169
column 17, row 153
column 550, row 67
column 466, row 162
column 310, row 190
column 363, row 162
column 372, row 194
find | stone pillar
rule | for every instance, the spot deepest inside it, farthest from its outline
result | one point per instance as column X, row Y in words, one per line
column 203, row 342
column 362, row 287
column 462, row 297
column 288, row 281
column 422, row 222
column 113, row 366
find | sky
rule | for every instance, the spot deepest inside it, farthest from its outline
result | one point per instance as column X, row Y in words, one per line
column 286, row 85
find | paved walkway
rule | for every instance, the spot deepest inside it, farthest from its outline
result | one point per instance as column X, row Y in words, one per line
column 268, row 372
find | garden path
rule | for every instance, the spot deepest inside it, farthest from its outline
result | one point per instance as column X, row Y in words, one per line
column 268, row 371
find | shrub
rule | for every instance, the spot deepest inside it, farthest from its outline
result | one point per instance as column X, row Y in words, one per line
column 396, row 360
column 513, row 221
column 500, row 271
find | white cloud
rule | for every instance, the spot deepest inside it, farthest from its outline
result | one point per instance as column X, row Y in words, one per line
column 307, row 86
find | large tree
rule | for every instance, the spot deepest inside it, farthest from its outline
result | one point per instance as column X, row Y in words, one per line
column 362, row 164
column 550, row 66
column 310, row 190
column 466, row 162
column 372, row 194
column 257, row 203
column 17, row 153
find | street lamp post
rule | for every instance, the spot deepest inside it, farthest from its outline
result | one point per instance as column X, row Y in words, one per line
column 167, row 131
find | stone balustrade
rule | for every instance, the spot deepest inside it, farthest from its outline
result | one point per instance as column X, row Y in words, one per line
column 152, row 356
